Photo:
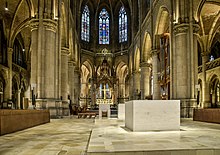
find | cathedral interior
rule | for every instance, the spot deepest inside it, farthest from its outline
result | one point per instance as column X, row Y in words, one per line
column 87, row 52
column 57, row 54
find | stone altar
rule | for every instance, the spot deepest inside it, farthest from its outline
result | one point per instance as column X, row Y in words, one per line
column 152, row 115
column 104, row 107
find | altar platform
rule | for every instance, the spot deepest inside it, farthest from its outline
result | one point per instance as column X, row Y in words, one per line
column 110, row 137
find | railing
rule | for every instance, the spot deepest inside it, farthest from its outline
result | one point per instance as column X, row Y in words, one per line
column 213, row 64
column 17, row 68
column 210, row 65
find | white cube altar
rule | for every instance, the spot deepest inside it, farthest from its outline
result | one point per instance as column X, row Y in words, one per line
column 152, row 115
column 104, row 108
column 121, row 111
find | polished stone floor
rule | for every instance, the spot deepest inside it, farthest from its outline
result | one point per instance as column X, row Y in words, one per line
column 194, row 138
column 70, row 136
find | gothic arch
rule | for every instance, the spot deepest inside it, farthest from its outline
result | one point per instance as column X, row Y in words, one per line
column 210, row 77
column 88, row 66
column 146, row 47
column 208, row 20
column 200, row 92
column 162, row 21
column 3, row 77
column 214, row 91
column 86, row 74
column 121, row 69
column 200, row 5
column 137, row 59
column 198, row 9
column 20, row 22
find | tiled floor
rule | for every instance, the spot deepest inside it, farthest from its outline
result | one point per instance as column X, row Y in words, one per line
column 70, row 136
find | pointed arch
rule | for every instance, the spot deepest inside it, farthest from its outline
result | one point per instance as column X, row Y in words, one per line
column 137, row 59
column 214, row 91
column 121, row 70
column 88, row 66
column 162, row 21
column 146, row 47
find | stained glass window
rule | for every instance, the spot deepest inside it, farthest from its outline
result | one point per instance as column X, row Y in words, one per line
column 85, row 24
column 103, row 27
column 123, row 22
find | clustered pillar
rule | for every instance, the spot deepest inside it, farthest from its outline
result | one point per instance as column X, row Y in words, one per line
column 145, row 80
column 156, row 86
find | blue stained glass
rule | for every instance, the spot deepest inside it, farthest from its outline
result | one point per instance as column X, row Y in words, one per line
column 85, row 24
column 123, row 35
column 103, row 27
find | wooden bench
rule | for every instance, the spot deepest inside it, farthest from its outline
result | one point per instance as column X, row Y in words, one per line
column 86, row 115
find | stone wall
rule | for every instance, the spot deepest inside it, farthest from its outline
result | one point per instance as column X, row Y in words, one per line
column 15, row 120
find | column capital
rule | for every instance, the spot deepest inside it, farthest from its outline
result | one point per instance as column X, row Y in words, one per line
column 181, row 28
column 145, row 64
column 135, row 72
column 196, row 28
column 154, row 52
column 50, row 24
column 72, row 63
column 34, row 24
column 205, row 53
column 65, row 51
column 10, row 50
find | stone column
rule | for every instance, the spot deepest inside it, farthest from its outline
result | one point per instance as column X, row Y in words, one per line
column 35, row 54
column 77, row 86
column 131, row 95
column 49, row 53
column 64, row 80
column 43, row 62
column 136, row 84
column 156, row 86
column 127, row 88
column 122, row 89
column 145, row 80
column 205, row 89
column 182, row 62
column 8, row 87
column 64, row 73
column 84, row 89
column 19, row 99
column 71, row 79
column 186, row 64
column 27, row 96
column 92, row 92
